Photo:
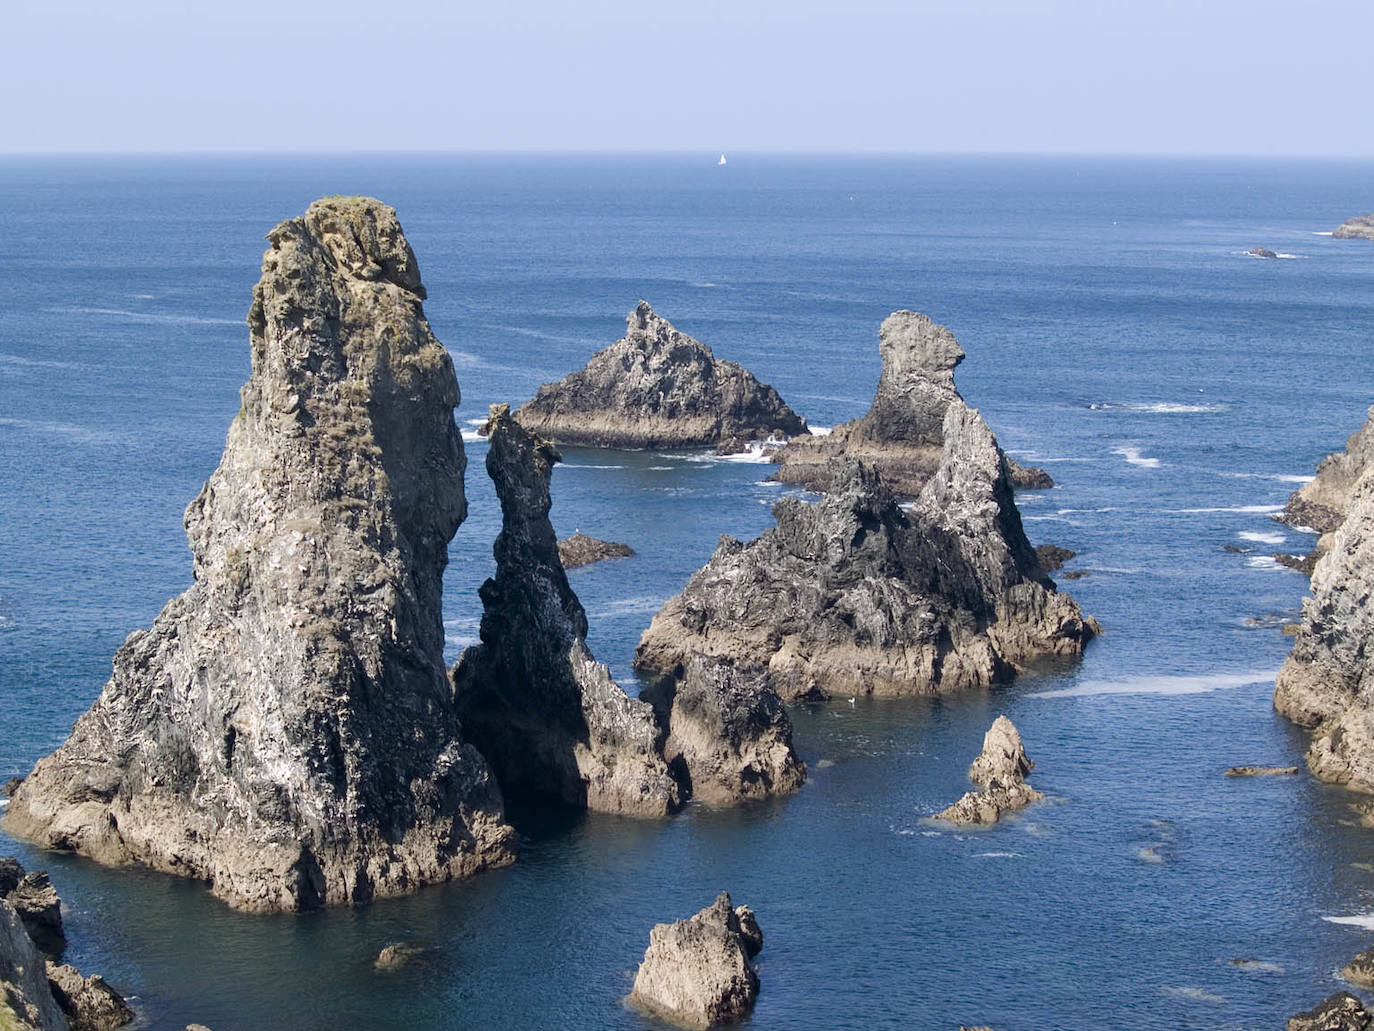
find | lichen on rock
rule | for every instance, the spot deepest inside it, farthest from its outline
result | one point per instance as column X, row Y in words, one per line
column 658, row 387
column 285, row 731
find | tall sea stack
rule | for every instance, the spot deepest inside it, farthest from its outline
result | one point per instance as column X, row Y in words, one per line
column 285, row 731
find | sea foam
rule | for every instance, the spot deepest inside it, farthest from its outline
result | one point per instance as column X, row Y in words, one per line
column 1157, row 684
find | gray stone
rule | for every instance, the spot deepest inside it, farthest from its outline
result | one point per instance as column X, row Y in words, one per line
column 1338, row 1012
column 26, row 1000
column 581, row 550
column 90, row 1003
column 1000, row 773
column 1361, row 227
column 285, row 731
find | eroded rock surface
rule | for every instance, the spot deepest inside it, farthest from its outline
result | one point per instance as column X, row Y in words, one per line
column 546, row 714
column 729, row 736
column 696, row 972
column 658, row 387
column 1328, row 679
column 581, row 550
column 1000, row 773
column 285, row 731
column 89, row 1003
column 853, row 595
column 1360, row 970
column 903, row 433
column 26, row 1000
column 36, row 902
column 1339, row 1012
column 1361, row 227
column 1321, row 503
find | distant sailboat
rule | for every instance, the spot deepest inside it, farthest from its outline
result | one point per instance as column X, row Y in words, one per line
column 722, row 160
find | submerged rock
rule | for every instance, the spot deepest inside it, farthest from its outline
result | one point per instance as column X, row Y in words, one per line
column 286, row 731
column 399, row 954
column 729, row 736
column 696, row 972
column 1339, row 1012
column 853, row 595
column 581, row 550
column 1325, row 684
column 1000, row 773
column 657, row 387
column 1260, row 771
column 903, row 433
column 548, row 716
column 89, row 1003
column 1361, row 227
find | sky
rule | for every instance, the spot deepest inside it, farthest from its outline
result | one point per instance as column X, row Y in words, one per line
column 1205, row 77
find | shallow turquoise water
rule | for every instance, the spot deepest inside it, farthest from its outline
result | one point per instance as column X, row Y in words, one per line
column 1116, row 333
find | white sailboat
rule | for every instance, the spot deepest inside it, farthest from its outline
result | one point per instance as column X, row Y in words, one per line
column 722, row 160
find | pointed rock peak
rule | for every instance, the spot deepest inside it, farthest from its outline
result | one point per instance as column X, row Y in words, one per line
column 912, row 345
column 860, row 487
column 363, row 236
column 647, row 328
column 1003, row 758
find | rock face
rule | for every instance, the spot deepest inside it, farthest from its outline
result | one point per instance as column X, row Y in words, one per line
column 853, row 595
column 581, row 550
column 1000, row 773
column 89, row 1003
column 696, row 973
column 26, row 1000
column 1261, row 252
column 903, row 433
column 546, row 714
column 729, row 736
column 1339, row 1012
column 1322, row 503
column 285, row 731
column 1052, row 557
column 657, row 387
column 1327, row 681
column 1360, row 970
column 35, row 901
column 1361, row 227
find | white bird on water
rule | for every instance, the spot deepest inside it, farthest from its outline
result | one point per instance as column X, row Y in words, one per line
column 851, row 701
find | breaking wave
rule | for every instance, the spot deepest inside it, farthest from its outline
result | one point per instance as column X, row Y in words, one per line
column 1161, row 685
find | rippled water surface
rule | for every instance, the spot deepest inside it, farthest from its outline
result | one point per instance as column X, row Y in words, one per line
column 1116, row 334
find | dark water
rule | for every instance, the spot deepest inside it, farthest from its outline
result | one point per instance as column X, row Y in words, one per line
column 1116, row 334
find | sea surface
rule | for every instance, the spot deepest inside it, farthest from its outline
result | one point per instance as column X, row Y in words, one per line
column 1117, row 334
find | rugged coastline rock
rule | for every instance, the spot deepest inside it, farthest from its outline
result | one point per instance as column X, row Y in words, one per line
column 1339, row 1012
column 658, row 387
column 89, row 1003
column 1321, row 503
column 1326, row 683
column 1000, row 773
column 581, row 550
column 1361, row 227
column 285, row 731
column 546, row 715
column 26, row 999
column 729, row 736
column 697, row 973
column 1360, row 970
column 1052, row 557
column 854, row 595
column 903, row 433
column 35, row 901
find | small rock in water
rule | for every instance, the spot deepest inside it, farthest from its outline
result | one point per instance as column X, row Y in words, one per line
column 1260, row 771
column 399, row 954
column 1052, row 556
column 1338, row 1012
column 1256, row 966
column 89, row 1003
column 581, row 550
column 1360, row 970
column 1000, row 770
column 1261, row 252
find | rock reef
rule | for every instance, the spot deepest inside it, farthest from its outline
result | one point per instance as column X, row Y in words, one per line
column 546, row 715
column 902, row 435
column 1321, row 503
column 657, row 387
column 697, row 973
column 35, row 901
column 285, row 731
column 581, row 550
column 1339, row 1012
column 1261, row 252
column 1000, row 773
column 1361, row 227
column 853, row 595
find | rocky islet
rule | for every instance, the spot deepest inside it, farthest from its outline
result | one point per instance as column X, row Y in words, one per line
column 1000, row 772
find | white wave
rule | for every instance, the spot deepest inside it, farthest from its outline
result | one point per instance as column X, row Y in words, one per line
column 1158, row 684
column 1199, row 994
column 1133, row 455
column 767, row 483
column 40, row 363
column 1047, row 461
column 80, row 434
column 1280, row 477
column 932, row 834
column 1263, row 562
column 757, row 452
column 1223, row 508
column 472, row 436
column 1285, row 254
column 997, row 855
column 821, row 431
column 1149, row 854
column 1257, row 966
column 588, row 465
column 1090, row 511
column 1322, row 234
column 1262, row 538
column 1115, row 569
column 661, row 468
column 478, row 422
column 4, row 802
column 709, row 286
column 1157, row 407
column 1365, row 921
column 151, row 317
column 628, row 606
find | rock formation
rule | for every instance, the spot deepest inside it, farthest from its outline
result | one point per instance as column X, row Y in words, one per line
column 1321, row 503
column 581, row 550
column 657, row 387
column 1052, row 557
column 89, row 1003
column 729, row 736
column 903, row 433
column 398, row 955
column 35, row 901
column 26, row 1000
column 1261, row 252
column 1000, row 773
column 1339, row 1012
column 1361, row 227
column 285, row 731
column 696, row 972
column 1328, row 679
column 1261, row 771
column 853, row 595
column 548, row 716
column 1360, row 970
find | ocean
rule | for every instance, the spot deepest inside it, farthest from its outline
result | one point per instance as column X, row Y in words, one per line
column 1117, row 335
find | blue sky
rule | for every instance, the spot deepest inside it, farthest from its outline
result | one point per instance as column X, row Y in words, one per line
column 1026, row 76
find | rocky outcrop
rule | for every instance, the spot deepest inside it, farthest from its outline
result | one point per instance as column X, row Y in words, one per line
column 285, row 731
column 729, row 736
column 26, row 1000
column 89, row 1003
column 1261, row 252
column 581, row 550
column 1052, row 557
column 1261, row 771
column 1361, row 227
column 1000, row 773
column 35, row 901
column 696, row 972
column 853, row 595
column 903, row 433
column 546, row 714
column 657, row 387
column 1339, row 1012
column 1328, row 679
column 1321, row 503
column 399, row 954
column 1360, row 970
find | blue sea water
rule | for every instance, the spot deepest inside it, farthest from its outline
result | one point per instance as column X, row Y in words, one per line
column 1117, row 334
